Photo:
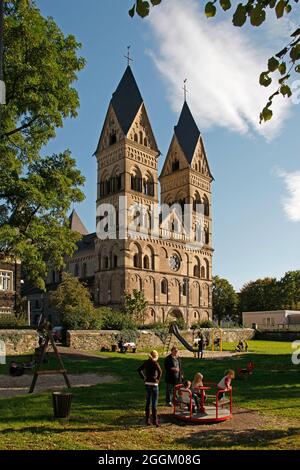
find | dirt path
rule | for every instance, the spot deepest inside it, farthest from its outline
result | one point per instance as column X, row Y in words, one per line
column 13, row 386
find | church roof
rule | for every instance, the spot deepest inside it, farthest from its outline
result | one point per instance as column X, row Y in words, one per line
column 76, row 224
column 126, row 100
column 187, row 132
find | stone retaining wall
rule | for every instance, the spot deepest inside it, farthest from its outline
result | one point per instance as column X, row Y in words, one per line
column 88, row 340
column 19, row 341
column 283, row 335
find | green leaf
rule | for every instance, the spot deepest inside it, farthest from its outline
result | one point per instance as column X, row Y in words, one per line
column 288, row 8
column 155, row 2
column 266, row 114
column 272, row 3
column 225, row 4
column 240, row 15
column 210, row 10
column 297, row 69
column 295, row 52
column 132, row 11
column 142, row 8
column 258, row 16
column 280, row 8
column 265, row 79
column 285, row 91
column 282, row 68
column 273, row 64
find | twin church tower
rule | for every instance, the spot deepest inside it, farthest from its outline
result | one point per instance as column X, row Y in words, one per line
column 175, row 277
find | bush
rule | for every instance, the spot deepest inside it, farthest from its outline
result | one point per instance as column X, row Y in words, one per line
column 127, row 335
column 10, row 321
column 113, row 320
column 203, row 324
column 77, row 318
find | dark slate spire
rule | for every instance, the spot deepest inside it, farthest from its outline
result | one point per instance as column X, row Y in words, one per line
column 126, row 100
column 187, row 132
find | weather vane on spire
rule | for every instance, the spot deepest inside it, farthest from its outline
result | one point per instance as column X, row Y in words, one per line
column 129, row 59
column 185, row 88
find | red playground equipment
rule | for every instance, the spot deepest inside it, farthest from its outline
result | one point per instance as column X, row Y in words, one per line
column 212, row 408
column 247, row 370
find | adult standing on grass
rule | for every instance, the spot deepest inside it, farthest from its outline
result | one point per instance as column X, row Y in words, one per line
column 151, row 373
column 200, row 345
column 174, row 374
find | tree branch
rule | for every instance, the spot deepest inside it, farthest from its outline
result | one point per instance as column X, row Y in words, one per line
column 19, row 129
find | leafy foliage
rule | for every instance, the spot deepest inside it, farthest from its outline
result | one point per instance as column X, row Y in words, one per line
column 135, row 305
column 40, row 65
column 72, row 300
column 203, row 324
column 113, row 320
column 285, row 62
column 271, row 294
column 225, row 300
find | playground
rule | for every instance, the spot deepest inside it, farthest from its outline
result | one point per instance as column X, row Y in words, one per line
column 109, row 414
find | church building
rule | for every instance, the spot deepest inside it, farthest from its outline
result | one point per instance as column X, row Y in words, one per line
column 175, row 276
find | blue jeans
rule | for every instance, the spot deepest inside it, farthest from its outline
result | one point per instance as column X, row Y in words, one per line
column 152, row 396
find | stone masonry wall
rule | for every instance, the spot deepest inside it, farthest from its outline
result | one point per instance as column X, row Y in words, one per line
column 95, row 340
column 19, row 341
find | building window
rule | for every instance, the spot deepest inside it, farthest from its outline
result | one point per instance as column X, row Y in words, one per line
column 146, row 262
column 6, row 280
column 184, row 289
column 115, row 261
column 175, row 165
column 113, row 138
column 76, row 270
column 164, row 286
column 84, row 270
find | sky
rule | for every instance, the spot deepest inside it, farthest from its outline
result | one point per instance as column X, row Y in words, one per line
column 256, row 192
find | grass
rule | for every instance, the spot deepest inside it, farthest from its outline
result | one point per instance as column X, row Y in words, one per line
column 110, row 416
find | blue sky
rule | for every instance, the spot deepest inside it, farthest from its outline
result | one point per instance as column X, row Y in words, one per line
column 256, row 196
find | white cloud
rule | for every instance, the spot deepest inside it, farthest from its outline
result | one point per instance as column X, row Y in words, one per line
column 222, row 65
column 291, row 203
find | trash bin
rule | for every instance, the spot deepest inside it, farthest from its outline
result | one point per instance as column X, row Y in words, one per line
column 61, row 404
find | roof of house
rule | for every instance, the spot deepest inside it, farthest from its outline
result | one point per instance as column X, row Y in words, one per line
column 126, row 100
column 76, row 224
column 187, row 132
column 87, row 242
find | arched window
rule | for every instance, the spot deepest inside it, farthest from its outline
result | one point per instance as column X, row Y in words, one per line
column 84, row 270
column 115, row 261
column 145, row 142
column 136, row 260
column 112, row 137
column 146, row 262
column 135, row 138
column 197, row 271
column 76, row 270
column 106, row 262
column 206, row 206
column 206, row 236
column 141, row 138
column 196, row 201
column 164, row 286
column 175, row 165
column 203, row 272
column 184, row 288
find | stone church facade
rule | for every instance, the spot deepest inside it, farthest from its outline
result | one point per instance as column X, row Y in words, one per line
column 175, row 275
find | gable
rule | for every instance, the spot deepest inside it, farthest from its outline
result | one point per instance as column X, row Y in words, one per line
column 199, row 161
column 175, row 154
column 111, row 126
column 141, row 130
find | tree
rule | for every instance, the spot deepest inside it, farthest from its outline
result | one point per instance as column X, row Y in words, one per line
column 72, row 301
column 260, row 295
column 225, row 300
column 36, row 191
column 285, row 62
column 135, row 305
column 289, row 286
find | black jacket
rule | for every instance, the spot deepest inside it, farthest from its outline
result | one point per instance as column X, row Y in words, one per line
column 150, row 371
column 171, row 376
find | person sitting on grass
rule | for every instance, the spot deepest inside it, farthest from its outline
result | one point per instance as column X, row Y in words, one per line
column 225, row 383
column 151, row 373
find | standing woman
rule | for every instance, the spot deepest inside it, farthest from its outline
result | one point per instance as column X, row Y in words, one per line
column 151, row 373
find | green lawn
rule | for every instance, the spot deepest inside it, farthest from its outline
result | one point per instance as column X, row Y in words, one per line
column 110, row 416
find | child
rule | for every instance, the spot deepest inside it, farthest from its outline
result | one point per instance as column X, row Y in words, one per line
column 198, row 382
column 225, row 383
column 185, row 397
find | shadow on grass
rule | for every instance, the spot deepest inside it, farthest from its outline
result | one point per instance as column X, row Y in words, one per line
column 221, row 438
